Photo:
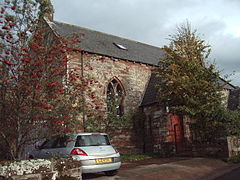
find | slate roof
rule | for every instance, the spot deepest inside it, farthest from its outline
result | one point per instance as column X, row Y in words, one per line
column 150, row 95
column 226, row 84
column 105, row 44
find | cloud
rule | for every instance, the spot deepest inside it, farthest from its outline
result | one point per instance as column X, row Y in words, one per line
column 226, row 53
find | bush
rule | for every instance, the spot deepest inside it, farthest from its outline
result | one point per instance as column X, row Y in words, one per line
column 135, row 157
column 233, row 159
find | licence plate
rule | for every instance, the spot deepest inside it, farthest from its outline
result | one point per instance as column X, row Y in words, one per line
column 104, row 160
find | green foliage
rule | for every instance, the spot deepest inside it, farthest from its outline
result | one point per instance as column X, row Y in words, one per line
column 138, row 120
column 45, row 7
column 135, row 157
column 232, row 122
column 189, row 83
column 107, row 121
column 209, row 127
column 220, row 123
column 233, row 159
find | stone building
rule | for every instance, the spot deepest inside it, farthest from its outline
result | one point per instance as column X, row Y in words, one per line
column 166, row 132
column 124, row 68
column 234, row 100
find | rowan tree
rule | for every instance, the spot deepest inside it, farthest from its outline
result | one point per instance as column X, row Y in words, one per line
column 39, row 94
column 190, row 83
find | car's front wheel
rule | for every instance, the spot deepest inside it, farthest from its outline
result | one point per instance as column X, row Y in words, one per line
column 111, row 173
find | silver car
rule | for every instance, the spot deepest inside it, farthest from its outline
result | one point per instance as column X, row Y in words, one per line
column 93, row 150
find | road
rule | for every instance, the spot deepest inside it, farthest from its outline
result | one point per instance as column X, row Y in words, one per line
column 189, row 169
column 232, row 175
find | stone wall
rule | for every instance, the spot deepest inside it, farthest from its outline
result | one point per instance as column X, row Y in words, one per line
column 211, row 149
column 165, row 133
column 157, row 132
column 102, row 70
column 39, row 169
column 133, row 76
column 126, row 141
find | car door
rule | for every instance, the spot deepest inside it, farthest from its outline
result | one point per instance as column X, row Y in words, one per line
column 60, row 147
column 46, row 149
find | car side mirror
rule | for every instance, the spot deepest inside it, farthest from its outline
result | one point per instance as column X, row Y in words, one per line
column 38, row 146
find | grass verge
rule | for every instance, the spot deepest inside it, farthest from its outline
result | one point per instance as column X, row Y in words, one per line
column 135, row 157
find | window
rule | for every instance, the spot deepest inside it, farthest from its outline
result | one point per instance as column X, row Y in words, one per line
column 48, row 144
column 115, row 97
column 59, row 142
column 92, row 140
column 120, row 46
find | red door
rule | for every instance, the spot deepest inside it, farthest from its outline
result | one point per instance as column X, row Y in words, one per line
column 176, row 133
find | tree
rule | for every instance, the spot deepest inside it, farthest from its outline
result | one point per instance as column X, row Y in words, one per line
column 190, row 84
column 39, row 95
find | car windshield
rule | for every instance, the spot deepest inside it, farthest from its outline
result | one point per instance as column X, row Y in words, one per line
column 92, row 140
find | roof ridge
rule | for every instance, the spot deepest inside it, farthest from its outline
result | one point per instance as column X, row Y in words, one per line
column 135, row 41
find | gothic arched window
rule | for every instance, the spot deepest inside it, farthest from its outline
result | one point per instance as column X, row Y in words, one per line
column 115, row 97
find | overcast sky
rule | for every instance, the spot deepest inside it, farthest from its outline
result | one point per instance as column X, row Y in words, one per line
column 151, row 21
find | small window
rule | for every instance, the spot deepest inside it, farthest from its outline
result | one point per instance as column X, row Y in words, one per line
column 120, row 46
column 115, row 97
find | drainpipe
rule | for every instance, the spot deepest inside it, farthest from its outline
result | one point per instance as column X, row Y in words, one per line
column 83, row 97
